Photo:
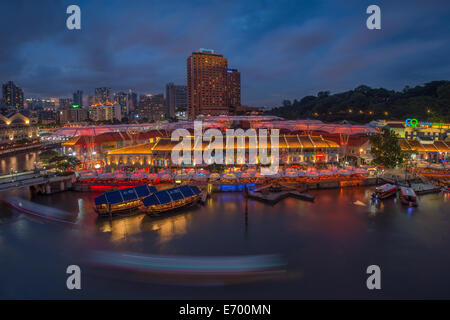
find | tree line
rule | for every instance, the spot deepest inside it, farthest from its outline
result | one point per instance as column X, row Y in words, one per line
column 363, row 104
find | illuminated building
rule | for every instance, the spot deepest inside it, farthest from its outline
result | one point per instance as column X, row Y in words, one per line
column 175, row 99
column 105, row 112
column 426, row 149
column 12, row 95
column 65, row 103
column 292, row 149
column 212, row 88
column 78, row 98
column 417, row 129
column 122, row 99
column 233, row 89
column 78, row 114
column 102, row 95
column 15, row 127
column 151, row 107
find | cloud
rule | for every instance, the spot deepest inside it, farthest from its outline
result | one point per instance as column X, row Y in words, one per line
column 284, row 49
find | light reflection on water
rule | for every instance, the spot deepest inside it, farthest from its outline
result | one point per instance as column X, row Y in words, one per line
column 330, row 242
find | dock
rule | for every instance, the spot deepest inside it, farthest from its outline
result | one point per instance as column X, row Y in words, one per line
column 425, row 188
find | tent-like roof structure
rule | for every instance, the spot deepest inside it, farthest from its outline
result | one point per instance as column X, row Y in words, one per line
column 285, row 142
column 124, row 195
column 317, row 126
column 85, row 140
column 223, row 122
column 415, row 145
column 170, row 195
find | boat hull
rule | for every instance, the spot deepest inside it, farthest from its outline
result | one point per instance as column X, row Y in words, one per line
column 408, row 202
column 121, row 208
column 384, row 195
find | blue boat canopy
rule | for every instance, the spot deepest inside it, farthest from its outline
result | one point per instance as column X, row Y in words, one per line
column 170, row 195
column 128, row 194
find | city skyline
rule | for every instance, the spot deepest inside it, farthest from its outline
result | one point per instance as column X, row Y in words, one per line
column 284, row 51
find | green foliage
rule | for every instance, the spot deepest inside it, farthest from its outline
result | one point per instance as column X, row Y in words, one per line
column 386, row 150
column 428, row 103
column 54, row 159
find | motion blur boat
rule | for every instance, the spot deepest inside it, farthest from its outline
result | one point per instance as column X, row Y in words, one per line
column 39, row 210
column 408, row 197
column 171, row 199
column 384, row 191
column 122, row 200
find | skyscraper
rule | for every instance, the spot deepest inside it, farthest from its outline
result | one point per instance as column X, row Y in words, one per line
column 233, row 89
column 132, row 101
column 122, row 99
column 102, row 95
column 151, row 107
column 78, row 98
column 207, row 83
column 176, row 98
column 12, row 95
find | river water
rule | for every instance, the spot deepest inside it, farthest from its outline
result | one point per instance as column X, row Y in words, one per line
column 327, row 246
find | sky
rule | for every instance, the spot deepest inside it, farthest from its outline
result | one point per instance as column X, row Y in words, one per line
column 283, row 49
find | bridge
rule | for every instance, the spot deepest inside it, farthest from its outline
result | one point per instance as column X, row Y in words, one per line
column 39, row 182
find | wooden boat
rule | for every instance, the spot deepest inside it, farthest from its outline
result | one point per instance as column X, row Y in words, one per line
column 39, row 210
column 122, row 200
column 384, row 191
column 408, row 197
column 171, row 199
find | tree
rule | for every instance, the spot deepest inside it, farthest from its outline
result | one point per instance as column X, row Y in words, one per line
column 54, row 159
column 386, row 150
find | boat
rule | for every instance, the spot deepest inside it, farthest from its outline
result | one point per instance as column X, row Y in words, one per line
column 408, row 197
column 385, row 191
column 122, row 200
column 171, row 199
column 39, row 210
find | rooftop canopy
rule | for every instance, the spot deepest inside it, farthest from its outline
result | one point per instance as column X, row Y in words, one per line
column 124, row 195
column 414, row 145
column 317, row 126
column 170, row 195
column 284, row 142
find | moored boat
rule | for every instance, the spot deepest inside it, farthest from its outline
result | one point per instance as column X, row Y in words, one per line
column 408, row 197
column 171, row 199
column 384, row 191
column 122, row 200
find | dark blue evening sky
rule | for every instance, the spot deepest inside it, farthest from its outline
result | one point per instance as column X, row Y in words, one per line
column 284, row 49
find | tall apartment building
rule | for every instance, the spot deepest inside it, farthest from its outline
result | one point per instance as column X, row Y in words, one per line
column 176, row 98
column 78, row 98
column 65, row 103
column 211, row 88
column 102, row 95
column 105, row 112
column 151, row 107
column 12, row 95
column 122, row 99
column 233, row 89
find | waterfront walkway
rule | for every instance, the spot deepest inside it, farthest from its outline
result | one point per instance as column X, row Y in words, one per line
column 42, row 181
column 34, row 147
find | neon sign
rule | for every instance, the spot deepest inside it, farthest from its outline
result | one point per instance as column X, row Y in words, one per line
column 414, row 123
column 411, row 122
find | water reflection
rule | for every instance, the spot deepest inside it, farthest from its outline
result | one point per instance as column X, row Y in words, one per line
column 165, row 227
column 330, row 242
